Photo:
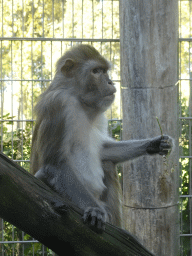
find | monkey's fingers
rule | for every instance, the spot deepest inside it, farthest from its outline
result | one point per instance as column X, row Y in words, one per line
column 165, row 145
column 100, row 222
column 96, row 218
column 166, row 140
column 93, row 220
column 90, row 214
column 60, row 207
column 165, row 148
column 86, row 214
column 165, row 137
column 162, row 153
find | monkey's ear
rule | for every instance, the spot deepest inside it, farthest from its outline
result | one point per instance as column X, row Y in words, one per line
column 68, row 66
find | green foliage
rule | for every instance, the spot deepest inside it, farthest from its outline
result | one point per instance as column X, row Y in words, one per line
column 184, row 143
column 16, row 142
column 115, row 129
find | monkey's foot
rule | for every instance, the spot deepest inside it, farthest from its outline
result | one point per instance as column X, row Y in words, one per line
column 96, row 218
column 60, row 207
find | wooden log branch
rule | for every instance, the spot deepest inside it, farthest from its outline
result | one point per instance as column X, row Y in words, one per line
column 30, row 205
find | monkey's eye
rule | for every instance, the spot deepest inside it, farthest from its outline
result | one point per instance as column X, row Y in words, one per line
column 99, row 70
column 96, row 70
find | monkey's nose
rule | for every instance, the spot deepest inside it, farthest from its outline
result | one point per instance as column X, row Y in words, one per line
column 113, row 89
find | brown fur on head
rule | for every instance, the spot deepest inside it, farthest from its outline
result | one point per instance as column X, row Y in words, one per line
column 79, row 55
column 83, row 71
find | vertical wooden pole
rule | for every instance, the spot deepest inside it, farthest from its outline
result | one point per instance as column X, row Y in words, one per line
column 149, row 74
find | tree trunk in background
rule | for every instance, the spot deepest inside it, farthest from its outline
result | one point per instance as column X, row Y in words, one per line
column 149, row 74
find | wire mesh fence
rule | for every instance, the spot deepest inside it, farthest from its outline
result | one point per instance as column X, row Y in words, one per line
column 33, row 35
column 185, row 125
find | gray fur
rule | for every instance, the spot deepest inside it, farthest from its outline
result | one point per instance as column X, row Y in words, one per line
column 71, row 150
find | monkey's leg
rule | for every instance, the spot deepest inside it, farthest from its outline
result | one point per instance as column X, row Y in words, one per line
column 65, row 183
column 125, row 150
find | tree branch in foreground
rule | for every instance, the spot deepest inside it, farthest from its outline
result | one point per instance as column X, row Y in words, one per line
column 30, row 205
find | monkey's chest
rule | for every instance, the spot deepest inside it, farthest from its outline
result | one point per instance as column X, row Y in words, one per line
column 94, row 177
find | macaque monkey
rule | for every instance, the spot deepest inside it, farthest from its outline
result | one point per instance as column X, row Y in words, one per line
column 71, row 150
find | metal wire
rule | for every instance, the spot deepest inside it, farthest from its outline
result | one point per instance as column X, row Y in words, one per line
column 37, row 38
column 59, row 39
column 185, row 125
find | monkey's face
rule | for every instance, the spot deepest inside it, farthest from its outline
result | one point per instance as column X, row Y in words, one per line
column 99, row 90
column 84, row 71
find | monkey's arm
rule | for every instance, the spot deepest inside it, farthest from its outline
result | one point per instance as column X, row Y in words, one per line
column 125, row 150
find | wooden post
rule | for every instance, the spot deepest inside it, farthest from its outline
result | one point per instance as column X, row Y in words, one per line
column 149, row 74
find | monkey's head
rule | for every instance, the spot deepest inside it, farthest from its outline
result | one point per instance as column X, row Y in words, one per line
column 84, row 71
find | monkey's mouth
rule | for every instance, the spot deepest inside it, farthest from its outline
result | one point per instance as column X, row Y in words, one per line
column 110, row 96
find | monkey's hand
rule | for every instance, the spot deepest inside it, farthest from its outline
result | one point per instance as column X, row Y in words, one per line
column 160, row 145
column 96, row 218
